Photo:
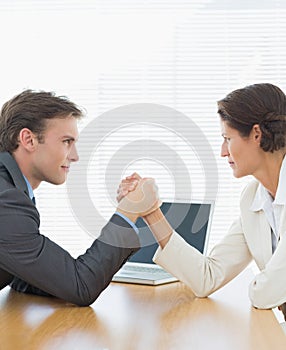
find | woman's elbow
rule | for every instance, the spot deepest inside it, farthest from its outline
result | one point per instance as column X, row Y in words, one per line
column 199, row 291
column 262, row 298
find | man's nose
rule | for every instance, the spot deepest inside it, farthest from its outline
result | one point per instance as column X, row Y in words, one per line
column 73, row 155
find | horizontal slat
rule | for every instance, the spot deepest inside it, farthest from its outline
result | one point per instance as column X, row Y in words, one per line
column 103, row 54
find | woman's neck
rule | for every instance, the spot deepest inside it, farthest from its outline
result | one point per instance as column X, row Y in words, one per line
column 268, row 175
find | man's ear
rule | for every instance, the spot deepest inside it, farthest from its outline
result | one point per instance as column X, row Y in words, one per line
column 256, row 133
column 27, row 139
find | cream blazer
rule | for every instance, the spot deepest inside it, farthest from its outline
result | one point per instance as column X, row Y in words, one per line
column 249, row 238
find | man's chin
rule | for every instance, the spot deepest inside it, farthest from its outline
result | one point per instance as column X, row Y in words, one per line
column 56, row 181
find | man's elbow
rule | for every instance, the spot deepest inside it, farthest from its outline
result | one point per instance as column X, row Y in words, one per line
column 83, row 299
column 84, row 302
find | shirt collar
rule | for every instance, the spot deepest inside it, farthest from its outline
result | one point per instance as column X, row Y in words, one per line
column 262, row 196
column 30, row 190
column 261, row 199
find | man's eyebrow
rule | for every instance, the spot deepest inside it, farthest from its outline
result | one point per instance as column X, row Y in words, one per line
column 68, row 137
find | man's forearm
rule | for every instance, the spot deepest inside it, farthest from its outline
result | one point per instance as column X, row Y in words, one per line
column 159, row 226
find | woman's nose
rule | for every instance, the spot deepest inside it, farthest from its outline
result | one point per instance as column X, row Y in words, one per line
column 224, row 150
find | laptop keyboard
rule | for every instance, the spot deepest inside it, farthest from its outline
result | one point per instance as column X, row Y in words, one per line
column 144, row 269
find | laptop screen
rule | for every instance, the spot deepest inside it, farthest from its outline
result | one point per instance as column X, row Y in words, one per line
column 190, row 220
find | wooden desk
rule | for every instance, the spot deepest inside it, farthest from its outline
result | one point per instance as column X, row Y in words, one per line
column 132, row 317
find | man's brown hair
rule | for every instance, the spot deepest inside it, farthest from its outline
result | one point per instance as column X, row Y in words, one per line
column 31, row 109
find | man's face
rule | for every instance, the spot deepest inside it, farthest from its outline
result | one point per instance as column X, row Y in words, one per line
column 52, row 157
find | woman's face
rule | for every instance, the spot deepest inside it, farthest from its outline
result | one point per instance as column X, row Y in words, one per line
column 244, row 154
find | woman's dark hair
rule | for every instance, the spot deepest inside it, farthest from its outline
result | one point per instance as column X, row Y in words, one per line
column 31, row 109
column 262, row 104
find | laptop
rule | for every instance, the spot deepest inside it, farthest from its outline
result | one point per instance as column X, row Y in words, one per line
column 191, row 220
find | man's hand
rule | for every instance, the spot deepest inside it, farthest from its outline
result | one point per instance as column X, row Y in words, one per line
column 127, row 185
column 137, row 197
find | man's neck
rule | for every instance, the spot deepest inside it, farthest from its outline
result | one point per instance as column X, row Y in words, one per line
column 24, row 165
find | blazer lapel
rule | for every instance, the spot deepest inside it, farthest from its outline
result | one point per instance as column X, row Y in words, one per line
column 265, row 238
column 282, row 225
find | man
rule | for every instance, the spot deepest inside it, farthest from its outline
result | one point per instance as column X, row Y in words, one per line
column 38, row 133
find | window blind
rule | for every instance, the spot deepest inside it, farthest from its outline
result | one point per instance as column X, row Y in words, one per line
column 182, row 55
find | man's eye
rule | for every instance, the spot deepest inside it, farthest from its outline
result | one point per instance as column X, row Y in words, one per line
column 67, row 142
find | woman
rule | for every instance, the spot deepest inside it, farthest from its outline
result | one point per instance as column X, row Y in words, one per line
column 253, row 124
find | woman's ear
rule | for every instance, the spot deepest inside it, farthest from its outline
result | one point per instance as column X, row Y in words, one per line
column 27, row 139
column 256, row 133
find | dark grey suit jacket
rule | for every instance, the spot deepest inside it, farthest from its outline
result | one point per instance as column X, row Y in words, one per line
column 31, row 262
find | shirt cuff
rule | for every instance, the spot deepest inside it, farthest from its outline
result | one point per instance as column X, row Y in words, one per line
column 131, row 223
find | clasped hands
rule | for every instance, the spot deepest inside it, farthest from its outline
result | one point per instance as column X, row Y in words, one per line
column 137, row 196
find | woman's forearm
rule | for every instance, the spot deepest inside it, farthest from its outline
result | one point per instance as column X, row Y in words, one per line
column 159, row 226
